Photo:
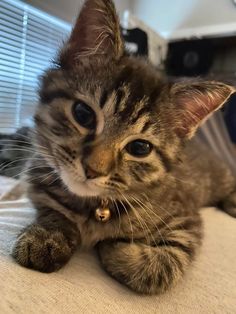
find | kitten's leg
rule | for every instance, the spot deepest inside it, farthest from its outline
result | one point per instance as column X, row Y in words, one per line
column 152, row 269
column 48, row 243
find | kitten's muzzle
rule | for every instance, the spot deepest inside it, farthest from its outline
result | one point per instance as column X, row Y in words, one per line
column 99, row 162
column 91, row 173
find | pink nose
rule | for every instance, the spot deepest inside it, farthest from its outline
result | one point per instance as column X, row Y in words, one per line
column 90, row 173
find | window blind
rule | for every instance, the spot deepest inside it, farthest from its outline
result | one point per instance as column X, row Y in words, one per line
column 29, row 40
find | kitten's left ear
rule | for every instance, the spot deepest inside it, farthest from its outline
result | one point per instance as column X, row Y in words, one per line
column 96, row 32
column 195, row 102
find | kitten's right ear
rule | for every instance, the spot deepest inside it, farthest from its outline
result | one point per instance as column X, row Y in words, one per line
column 96, row 32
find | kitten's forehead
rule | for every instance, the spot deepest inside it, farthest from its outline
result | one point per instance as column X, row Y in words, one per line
column 129, row 100
column 126, row 92
column 128, row 75
column 124, row 95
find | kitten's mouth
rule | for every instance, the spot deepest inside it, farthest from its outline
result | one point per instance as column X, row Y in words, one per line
column 82, row 186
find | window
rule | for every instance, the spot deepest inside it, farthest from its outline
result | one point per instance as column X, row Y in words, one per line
column 29, row 40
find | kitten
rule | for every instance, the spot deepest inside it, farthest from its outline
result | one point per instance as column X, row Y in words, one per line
column 116, row 168
column 15, row 150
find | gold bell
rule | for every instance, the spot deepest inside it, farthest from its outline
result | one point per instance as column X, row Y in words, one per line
column 103, row 213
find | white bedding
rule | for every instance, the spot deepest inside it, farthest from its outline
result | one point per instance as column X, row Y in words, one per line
column 83, row 287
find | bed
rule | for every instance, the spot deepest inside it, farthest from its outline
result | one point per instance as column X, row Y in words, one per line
column 83, row 287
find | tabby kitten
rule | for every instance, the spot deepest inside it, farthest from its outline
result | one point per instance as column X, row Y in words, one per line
column 115, row 167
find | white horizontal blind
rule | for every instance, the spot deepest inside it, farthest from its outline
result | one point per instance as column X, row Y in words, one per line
column 29, row 40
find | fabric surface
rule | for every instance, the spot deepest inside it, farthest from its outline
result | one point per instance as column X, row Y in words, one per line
column 83, row 287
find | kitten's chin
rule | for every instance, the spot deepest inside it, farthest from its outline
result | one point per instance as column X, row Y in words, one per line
column 84, row 188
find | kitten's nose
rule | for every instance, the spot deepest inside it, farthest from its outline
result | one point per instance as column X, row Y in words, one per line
column 90, row 173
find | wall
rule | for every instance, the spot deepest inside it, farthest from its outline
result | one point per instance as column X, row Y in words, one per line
column 67, row 9
column 172, row 19
column 187, row 17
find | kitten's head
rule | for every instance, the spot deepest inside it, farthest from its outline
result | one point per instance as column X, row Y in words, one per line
column 112, row 124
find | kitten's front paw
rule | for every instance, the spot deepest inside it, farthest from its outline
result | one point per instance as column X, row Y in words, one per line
column 142, row 268
column 41, row 249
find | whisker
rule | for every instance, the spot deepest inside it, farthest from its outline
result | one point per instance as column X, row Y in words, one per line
column 143, row 222
column 7, row 163
column 163, row 209
column 31, row 179
column 119, row 215
column 52, row 172
column 158, row 230
column 155, row 214
column 27, row 170
column 30, row 143
column 15, row 149
column 127, row 213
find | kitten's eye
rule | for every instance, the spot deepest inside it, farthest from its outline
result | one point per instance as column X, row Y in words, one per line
column 139, row 148
column 84, row 115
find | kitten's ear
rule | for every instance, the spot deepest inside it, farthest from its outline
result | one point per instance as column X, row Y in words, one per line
column 195, row 102
column 96, row 32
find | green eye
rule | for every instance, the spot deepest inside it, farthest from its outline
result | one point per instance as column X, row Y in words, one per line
column 139, row 148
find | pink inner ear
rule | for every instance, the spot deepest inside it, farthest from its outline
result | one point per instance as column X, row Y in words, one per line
column 196, row 102
column 88, row 28
column 96, row 32
column 196, row 108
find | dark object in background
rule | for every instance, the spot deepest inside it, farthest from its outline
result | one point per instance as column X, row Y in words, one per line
column 136, row 41
column 230, row 117
column 15, row 151
column 189, row 57
column 213, row 58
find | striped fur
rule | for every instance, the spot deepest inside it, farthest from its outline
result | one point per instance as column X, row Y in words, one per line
column 155, row 229
column 15, row 149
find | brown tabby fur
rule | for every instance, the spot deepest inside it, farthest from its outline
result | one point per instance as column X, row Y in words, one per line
column 155, row 229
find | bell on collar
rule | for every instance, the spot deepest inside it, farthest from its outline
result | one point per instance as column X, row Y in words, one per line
column 103, row 213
